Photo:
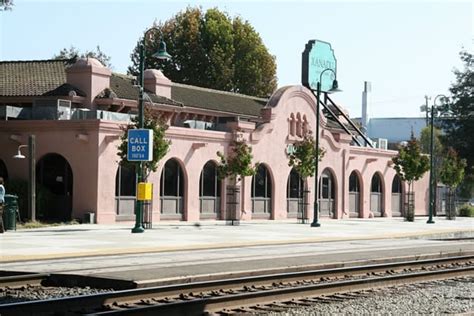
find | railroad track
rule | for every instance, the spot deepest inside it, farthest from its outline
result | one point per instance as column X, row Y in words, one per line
column 232, row 296
column 23, row 279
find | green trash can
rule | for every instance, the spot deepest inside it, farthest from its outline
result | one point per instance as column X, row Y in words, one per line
column 10, row 209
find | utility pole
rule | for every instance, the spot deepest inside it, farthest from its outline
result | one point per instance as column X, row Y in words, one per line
column 427, row 98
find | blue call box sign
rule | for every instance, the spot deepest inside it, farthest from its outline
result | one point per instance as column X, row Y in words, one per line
column 140, row 145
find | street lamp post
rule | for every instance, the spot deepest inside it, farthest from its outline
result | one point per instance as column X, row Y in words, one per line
column 334, row 88
column 31, row 174
column 433, row 186
column 163, row 55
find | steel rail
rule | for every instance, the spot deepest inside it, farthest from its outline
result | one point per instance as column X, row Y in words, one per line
column 135, row 295
column 242, row 300
column 23, row 279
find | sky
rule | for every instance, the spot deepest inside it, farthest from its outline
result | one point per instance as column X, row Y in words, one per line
column 406, row 49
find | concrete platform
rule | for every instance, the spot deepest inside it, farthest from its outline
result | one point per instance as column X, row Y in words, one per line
column 98, row 240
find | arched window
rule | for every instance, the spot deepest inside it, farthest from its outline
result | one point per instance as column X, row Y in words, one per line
column 397, row 197
column 294, row 192
column 171, row 179
column 327, row 194
column 172, row 190
column 125, row 190
column 209, row 183
column 261, row 191
column 396, row 184
column 125, row 181
column 376, row 195
column 294, row 185
column 354, row 195
column 209, row 190
column 261, row 184
column 354, row 182
column 376, row 185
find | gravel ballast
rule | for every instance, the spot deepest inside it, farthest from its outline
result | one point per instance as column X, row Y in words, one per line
column 433, row 298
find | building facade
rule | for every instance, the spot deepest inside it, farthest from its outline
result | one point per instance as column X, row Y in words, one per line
column 77, row 112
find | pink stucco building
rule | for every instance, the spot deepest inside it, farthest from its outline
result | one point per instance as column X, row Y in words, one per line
column 76, row 112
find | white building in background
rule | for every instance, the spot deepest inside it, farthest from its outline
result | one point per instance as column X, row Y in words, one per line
column 389, row 131
column 395, row 129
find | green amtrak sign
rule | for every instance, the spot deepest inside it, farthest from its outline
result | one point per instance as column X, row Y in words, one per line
column 317, row 57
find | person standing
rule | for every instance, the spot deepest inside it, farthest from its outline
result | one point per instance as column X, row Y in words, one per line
column 2, row 202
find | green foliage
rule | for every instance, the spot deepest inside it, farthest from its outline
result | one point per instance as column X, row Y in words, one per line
column 466, row 210
column 73, row 54
column 254, row 67
column 238, row 163
column 452, row 169
column 410, row 164
column 425, row 140
column 6, row 5
column 210, row 49
column 458, row 123
column 160, row 144
column 303, row 159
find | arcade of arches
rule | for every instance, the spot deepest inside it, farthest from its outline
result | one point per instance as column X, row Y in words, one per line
column 55, row 180
column 173, row 193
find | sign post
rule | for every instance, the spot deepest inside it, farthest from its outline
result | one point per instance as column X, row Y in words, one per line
column 318, row 63
column 140, row 148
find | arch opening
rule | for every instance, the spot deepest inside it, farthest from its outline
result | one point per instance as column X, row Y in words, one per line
column 354, row 195
column 54, row 178
column 209, row 192
column 397, row 197
column 327, row 194
column 261, row 191
column 295, row 195
column 376, row 195
column 125, row 191
column 172, row 191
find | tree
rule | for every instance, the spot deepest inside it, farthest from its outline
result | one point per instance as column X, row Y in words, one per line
column 6, row 5
column 254, row 67
column 410, row 165
column 303, row 159
column 459, row 121
column 425, row 141
column 211, row 50
column 160, row 144
column 238, row 163
column 73, row 54
column 452, row 174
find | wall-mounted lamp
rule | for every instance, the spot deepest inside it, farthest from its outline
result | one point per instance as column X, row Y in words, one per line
column 31, row 174
column 19, row 155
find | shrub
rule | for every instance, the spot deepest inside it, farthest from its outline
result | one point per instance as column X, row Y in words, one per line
column 467, row 211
